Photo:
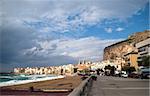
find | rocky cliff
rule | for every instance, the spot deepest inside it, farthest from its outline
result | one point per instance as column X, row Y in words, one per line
column 119, row 49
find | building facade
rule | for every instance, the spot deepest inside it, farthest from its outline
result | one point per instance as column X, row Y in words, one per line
column 143, row 49
column 131, row 60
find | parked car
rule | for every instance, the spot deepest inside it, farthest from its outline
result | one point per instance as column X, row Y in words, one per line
column 124, row 75
column 117, row 74
column 94, row 77
column 134, row 75
column 83, row 77
column 145, row 75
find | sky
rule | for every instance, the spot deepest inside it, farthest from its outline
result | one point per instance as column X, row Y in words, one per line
column 36, row 33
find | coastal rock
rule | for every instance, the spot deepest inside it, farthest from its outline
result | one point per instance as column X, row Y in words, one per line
column 119, row 49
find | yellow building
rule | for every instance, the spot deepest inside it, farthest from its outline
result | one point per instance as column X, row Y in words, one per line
column 131, row 59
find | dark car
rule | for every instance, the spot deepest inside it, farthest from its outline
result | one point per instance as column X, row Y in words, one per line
column 83, row 77
column 145, row 75
column 134, row 75
column 94, row 76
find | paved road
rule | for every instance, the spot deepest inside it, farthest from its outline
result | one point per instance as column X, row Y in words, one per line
column 117, row 86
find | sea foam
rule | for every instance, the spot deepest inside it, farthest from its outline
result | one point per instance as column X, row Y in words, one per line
column 33, row 78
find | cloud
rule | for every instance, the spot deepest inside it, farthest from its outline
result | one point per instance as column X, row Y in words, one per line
column 68, row 16
column 23, row 47
column 64, row 21
column 83, row 48
column 108, row 30
column 119, row 29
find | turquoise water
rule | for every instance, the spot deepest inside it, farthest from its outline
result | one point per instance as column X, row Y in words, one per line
column 5, row 79
column 9, row 77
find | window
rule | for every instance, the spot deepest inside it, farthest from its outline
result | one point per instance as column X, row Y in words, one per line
column 142, row 49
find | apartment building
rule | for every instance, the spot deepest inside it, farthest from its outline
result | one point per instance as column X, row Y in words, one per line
column 143, row 48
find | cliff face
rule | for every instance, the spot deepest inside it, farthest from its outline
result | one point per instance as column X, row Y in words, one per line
column 139, row 36
column 119, row 49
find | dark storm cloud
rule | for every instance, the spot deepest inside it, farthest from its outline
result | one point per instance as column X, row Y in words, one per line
column 15, row 41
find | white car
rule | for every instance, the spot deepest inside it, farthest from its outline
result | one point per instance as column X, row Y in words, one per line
column 124, row 75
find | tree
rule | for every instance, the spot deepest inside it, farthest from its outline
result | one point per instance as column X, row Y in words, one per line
column 145, row 61
column 107, row 67
column 75, row 70
column 128, row 69
column 111, row 68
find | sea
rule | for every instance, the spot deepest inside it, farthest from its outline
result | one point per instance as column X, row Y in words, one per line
column 14, row 79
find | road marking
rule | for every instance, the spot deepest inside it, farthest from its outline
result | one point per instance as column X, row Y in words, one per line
column 127, row 88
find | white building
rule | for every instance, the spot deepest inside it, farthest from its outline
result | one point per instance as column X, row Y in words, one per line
column 101, row 65
column 143, row 48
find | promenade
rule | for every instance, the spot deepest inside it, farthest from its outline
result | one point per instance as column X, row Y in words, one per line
column 117, row 86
